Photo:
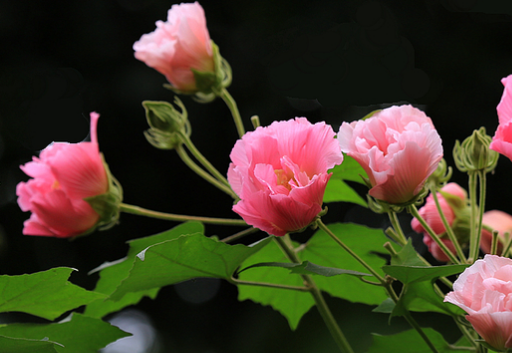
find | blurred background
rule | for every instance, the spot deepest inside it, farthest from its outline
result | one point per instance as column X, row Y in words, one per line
column 325, row 60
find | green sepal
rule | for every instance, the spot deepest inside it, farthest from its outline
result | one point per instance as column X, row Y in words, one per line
column 107, row 205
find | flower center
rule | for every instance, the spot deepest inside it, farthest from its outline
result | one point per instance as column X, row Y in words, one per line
column 283, row 179
column 55, row 184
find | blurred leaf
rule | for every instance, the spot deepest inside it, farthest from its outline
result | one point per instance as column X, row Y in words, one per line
column 46, row 294
column 386, row 307
column 21, row 345
column 350, row 169
column 291, row 304
column 113, row 273
column 411, row 342
column 339, row 191
column 365, row 242
column 308, row 268
column 412, row 274
column 187, row 257
column 81, row 334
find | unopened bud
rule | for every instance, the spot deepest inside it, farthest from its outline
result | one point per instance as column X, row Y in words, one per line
column 474, row 153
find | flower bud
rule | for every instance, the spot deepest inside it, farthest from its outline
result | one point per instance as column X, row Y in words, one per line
column 474, row 153
column 166, row 124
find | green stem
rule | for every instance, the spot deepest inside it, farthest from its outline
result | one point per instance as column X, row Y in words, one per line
column 208, row 166
column 449, row 230
column 230, row 102
column 239, row 235
column 268, row 285
column 322, row 226
column 414, row 211
column 192, row 165
column 473, row 246
column 398, row 229
column 481, row 207
column 323, row 309
column 136, row 210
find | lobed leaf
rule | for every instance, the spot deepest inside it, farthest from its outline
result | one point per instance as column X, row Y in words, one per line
column 113, row 273
column 46, row 294
column 23, row 345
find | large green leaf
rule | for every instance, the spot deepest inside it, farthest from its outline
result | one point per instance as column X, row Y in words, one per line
column 81, row 334
column 187, row 257
column 366, row 243
column 291, row 304
column 22, row 345
column 47, row 294
column 308, row 268
column 413, row 274
column 113, row 273
column 411, row 342
column 339, row 191
column 407, row 256
column 349, row 170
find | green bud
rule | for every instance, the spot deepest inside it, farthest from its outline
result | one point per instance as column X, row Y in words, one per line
column 474, row 153
column 440, row 176
column 166, row 123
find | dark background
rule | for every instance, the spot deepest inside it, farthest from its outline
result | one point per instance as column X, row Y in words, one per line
column 326, row 60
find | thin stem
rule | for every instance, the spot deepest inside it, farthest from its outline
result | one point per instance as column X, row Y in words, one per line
column 192, row 165
column 269, row 285
column 473, row 245
column 239, row 235
column 449, row 230
column 481, row 207
column 324, row 310
column 136, row 210
column 414, row 211
column 230, row 102
column 322, row 226
column 202, row 159
column 398, row 229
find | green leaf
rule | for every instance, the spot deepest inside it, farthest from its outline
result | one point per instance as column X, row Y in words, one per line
column 187, row 257
column 411, row 342
column 418, row 293
column 290, row 303
column 386, row 307
column 350, row 169
column 308, row 268
column 412, row 274
column 22, row 345
column 407, row 256
column 339, row 191
column 113, row 273
column 81, row 334
column 46, row 294
column 365, row 242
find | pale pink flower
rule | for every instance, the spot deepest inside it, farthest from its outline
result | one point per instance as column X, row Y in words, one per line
column 178, row 45
column 484, row 291
column 63, row 175
column 280, row 174
column 500, row 221
column 502, row 140
column 398, row 148
column 430, row 214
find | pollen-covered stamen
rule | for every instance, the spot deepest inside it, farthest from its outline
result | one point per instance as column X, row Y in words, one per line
column 56, row 184
column 283, row 178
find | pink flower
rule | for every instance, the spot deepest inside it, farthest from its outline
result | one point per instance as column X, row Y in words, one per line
column 502, row 140
column 430, row 214
column 280, row 174
column 178, row 45
column 484, row 291
column 398, row 147
column 500, row 221
column 63, row 175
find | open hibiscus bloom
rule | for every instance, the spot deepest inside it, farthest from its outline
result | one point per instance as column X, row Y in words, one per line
column 398, row 148
column 63, row 176
column 280, row 174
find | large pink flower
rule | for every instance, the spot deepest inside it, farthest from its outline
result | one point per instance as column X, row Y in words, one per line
column 178, row 45
column 502, row 140
column 484, row 291
column 63, row 175
column 280, row 173
column 398, row 147
column 430, row 214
